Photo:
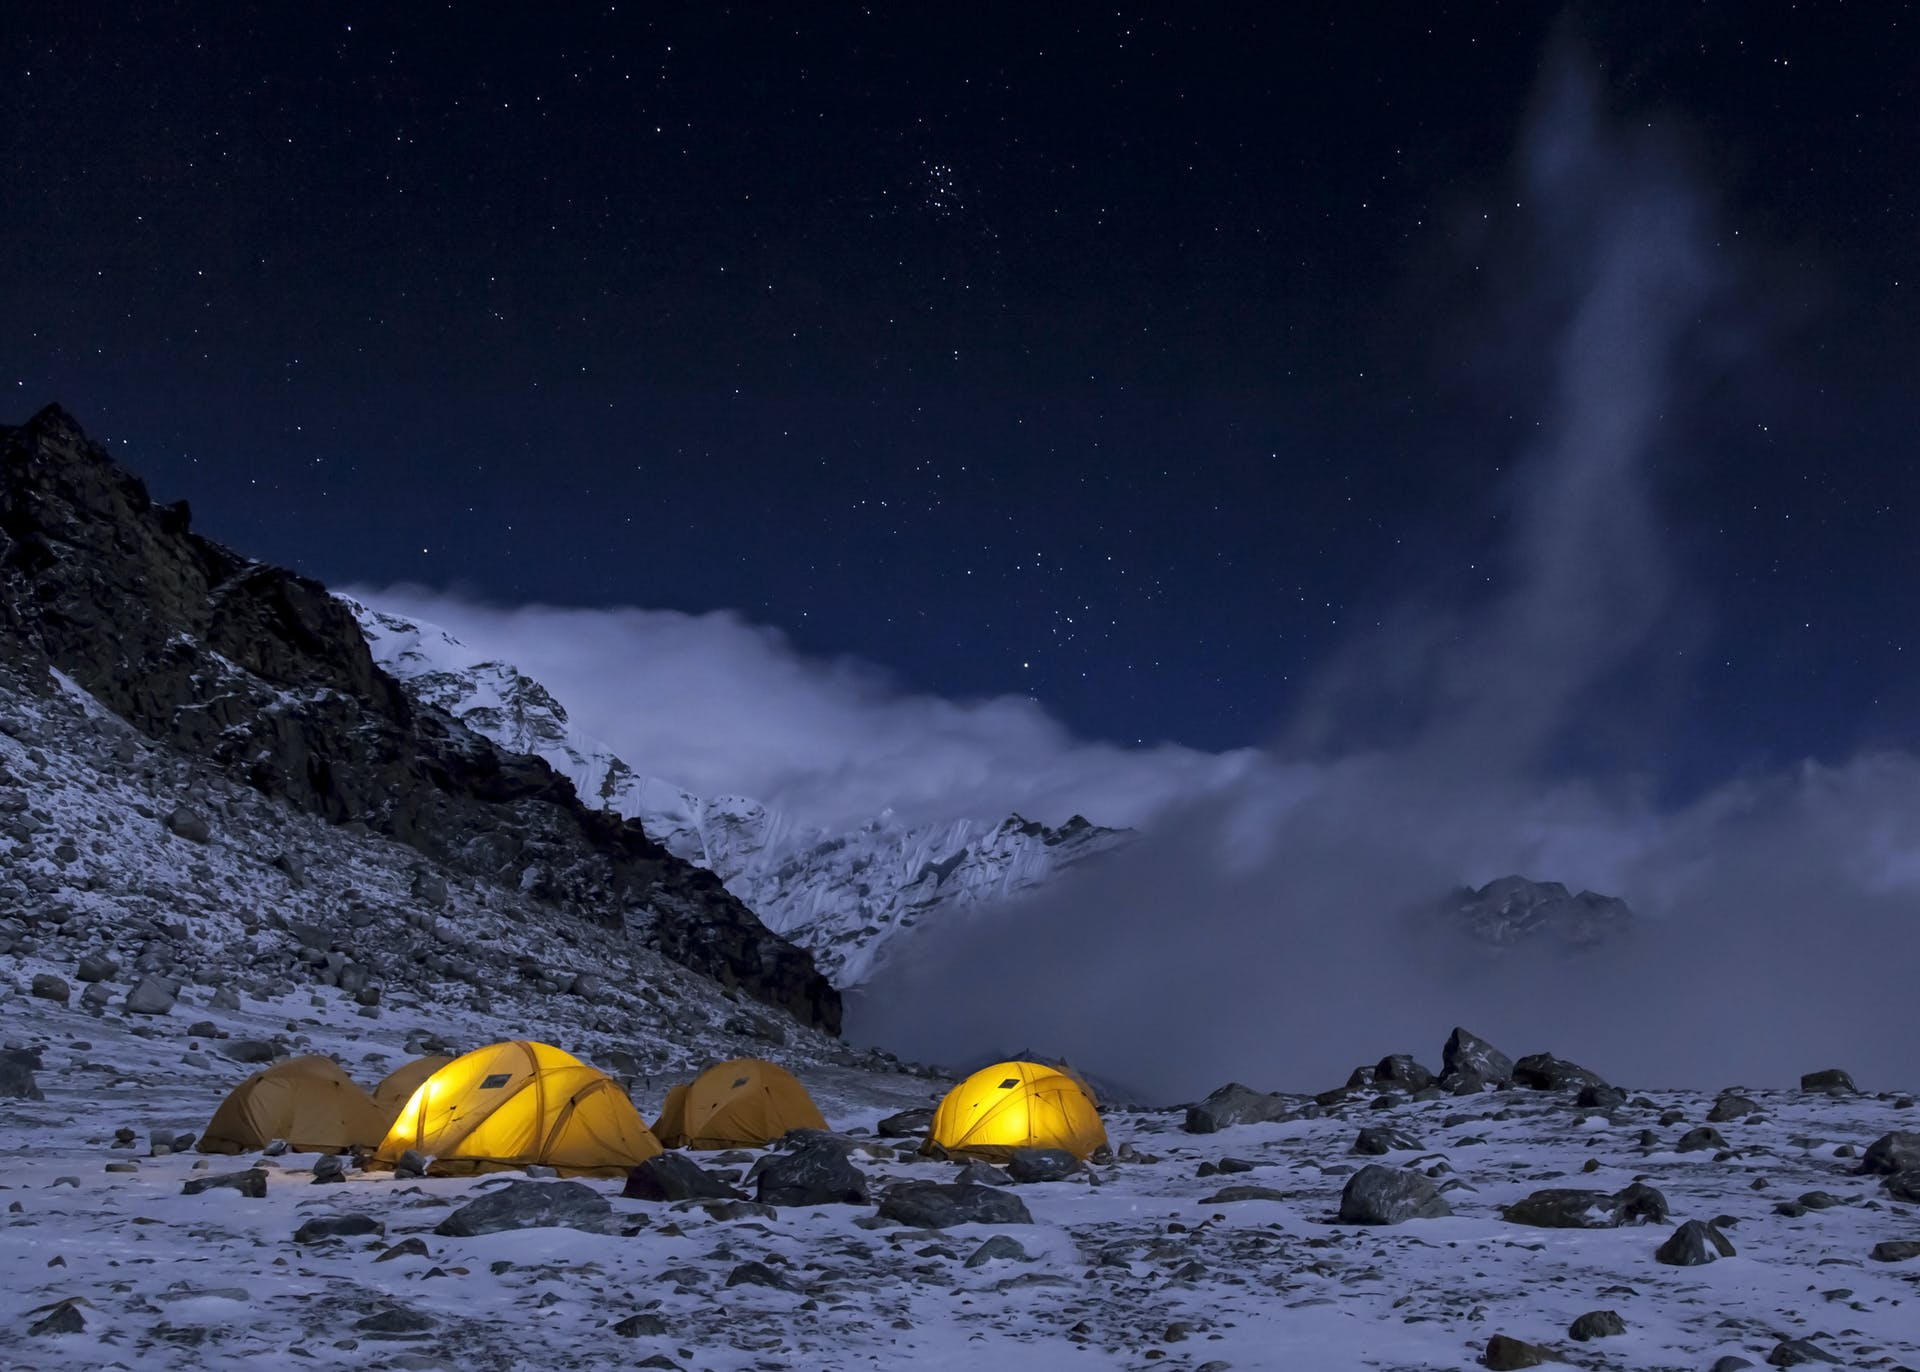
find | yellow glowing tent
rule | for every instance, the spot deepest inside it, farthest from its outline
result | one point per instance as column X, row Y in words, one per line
column 397, row 1087
column 740, row 1103
column 309, row 1102
column 1018, row 1105
column 519, row 1103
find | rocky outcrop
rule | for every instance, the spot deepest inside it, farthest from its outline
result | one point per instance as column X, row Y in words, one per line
column 267, row 677
column 1515, row 911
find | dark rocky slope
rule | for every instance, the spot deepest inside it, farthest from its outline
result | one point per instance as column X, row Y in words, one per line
column 264, row 675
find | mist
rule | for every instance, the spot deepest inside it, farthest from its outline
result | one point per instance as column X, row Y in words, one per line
column 1269, row 931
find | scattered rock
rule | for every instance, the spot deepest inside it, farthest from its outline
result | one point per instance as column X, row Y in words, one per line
column 395, row 1320
column 250, row 1050
column 1895, row 1250
column 640, row 1326
column 96, row 967
column 252, row 1182
column 185, row 823
column 1382, row 1138
column 1603, row 1097
column 16, row 1075
column 978, row 1173
column 1794, row 1352
column 1235, row 1104
column 816, row 1173
column 938, row 1205
column 1596, row 1324
column 530, row 1205
column 1572, row 1208
column 1694, row 1244
column 152, row 996
column 676, row 1177
column 1469, row 1063
column 1545, row 1072
column 1504, row 1354
column 757, row 1274
column 415, row 1247
column 1378, row 1194
column 1731, row 1107
column 1893, row 1152
column 46, row 986
column 1042, row 1164
column 337, row 1227
column 1227, row 1195
column 1828, row 1079
column 327, row 1169
column 62, row 1317
column 1694, row 1140
column 908, row 1124
column 1402, row 1071
column 999, row 1248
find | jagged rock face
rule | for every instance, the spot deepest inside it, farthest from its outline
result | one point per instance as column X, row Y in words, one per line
column 847, row 897
column 267, row 676
column 1514, row 911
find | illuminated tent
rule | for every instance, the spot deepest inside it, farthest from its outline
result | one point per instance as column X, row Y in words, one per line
column 741, row 1103
column 1018, row 1105
column 519, row 1103
column 309, row 1102
column 397, row 1087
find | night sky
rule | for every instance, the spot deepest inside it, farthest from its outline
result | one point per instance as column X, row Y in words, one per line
column 1127, row 358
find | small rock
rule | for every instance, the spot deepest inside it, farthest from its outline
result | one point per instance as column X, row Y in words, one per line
column 1381, row 1139
column 978, row 1173
column 757, row 1274
column 1895, row 1250
column 252, row 1182
column 817, row 1173
column 1794, row 1352
column 1694, row 1244
column 395, row 1319
column 1229, row 1194
column 16, row 1075
column 1596, row 1324
column 152, row 996
column 415, row 1247
column 328, row 1169
column 96, row 967
column 337, row 1227
column 1731, row 1107
column 1694, row 1140
column 999, row 1248
column 64, row 1317
column 1897, row 1151
column 250, row 1050
column 907, row 1124
column 530, row 1205
column 1041, row 1164
column 1545, row 1072
column 1504, row 1354
column 676, row 1177
column 1402, row 1071
column 640, row 1326
column 185, row 823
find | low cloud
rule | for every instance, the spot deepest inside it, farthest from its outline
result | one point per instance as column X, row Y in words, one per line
column 721, row 706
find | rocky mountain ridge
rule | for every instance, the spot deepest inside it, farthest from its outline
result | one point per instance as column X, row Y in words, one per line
column 847, row 897
column 267, row 679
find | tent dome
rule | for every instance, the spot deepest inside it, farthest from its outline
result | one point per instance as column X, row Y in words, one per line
column 740, row 1103
column 1013, row 1105
column 310, row 1102
column 515, row 1104
column 397, row 1087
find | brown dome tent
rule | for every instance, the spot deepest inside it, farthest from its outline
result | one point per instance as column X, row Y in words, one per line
column 310, row 1102
column 398, row 1086
column 740, row 1103
column 518, row 1103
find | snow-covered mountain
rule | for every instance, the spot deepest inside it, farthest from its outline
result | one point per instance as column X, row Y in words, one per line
column 845, row 896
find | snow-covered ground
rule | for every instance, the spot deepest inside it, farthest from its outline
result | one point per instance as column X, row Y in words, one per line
column 1130, row 1265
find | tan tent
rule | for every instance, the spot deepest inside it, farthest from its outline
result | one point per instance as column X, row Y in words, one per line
column 740, row 1103
column 398, row 1086
column 519, row 1103
column 1013, row 1105
column 309, row 1102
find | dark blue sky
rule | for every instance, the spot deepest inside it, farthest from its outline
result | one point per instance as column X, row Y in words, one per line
column 1130, row 360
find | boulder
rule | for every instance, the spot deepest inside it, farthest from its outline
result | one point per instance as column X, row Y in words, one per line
column 46, row 986
column 96, row 967
column 1795, row 1352
column 1827, row 1079
column 62, row 1317
column 151, row 996
column 1378, row 1194
column 1380, row 1138
column 816, row 1173
column 1228, row 1195
column 978, row 1173
column 1402, row 1071
column 530, row 1205
column 907, row 1124
column 1902, row 1186
column 676, row 1177
column 185, row 823
column 1042, row 1164
column 640, row 1326
column 1694, row 1244
column 1545, row 1072
column 1732, row 1106
column 1895, row 1250
column 1892, row 1152
column 16, row 1075
column 1235, row 1104
column 1607, row 1098
column 1694, row 1140
column 999, row 1248
column 1469, row 1062
column 757, row 1274
column 1573, row 1208
column 938, row 1205
column 250, row 1050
